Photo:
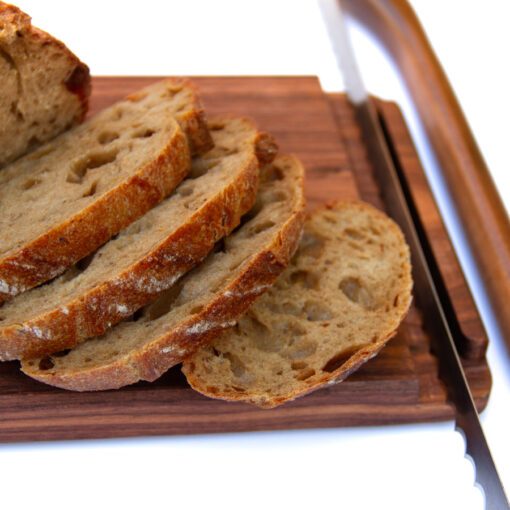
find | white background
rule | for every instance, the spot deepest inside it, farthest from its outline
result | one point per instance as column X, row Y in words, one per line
column 400, row 467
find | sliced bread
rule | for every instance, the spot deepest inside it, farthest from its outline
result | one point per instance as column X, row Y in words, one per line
column 62, row 201
column 45, row 88
column 336, row 305
column 201, row 305
column 148, row 256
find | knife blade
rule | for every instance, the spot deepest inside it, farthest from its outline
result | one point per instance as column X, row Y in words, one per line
column 400, row 208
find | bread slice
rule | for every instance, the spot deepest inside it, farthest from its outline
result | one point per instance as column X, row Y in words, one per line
column 148, row 256
column 45, row 88
column 64, row 200
column 337, row 304
column 201, row 305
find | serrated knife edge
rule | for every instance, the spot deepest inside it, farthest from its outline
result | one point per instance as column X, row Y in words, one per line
column 451, row 371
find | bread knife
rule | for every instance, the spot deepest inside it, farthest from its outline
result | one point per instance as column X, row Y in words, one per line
column 400, row 207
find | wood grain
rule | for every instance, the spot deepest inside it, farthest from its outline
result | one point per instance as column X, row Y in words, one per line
column 480, row 209
column 398, row 386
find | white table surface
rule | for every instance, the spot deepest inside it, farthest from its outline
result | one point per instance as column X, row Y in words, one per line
column 401, row 467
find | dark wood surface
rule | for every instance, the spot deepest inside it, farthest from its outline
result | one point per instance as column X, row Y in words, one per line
column 399, row 386
column 479, row 207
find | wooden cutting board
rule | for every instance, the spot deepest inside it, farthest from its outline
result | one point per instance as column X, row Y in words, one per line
column 399, row 386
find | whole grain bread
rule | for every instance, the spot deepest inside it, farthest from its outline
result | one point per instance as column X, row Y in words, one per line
column 149, row 255
column 62, row 201
column 45, row 87
column 336, row 305
column 199, row 306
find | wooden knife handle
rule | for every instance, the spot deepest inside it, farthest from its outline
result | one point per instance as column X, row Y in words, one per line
column 479, row 207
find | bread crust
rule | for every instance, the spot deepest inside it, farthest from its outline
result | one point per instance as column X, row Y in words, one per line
column 15, row 24
column 166, row 350
column 350, row 365
column 91, row 313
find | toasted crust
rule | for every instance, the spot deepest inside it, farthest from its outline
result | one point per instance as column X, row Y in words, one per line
column 199, row 311
column 70, row 84
column 222, row 196
column 309, row 331
column 49, row 253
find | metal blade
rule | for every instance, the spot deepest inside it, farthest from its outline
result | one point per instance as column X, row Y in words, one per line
column 399, row 207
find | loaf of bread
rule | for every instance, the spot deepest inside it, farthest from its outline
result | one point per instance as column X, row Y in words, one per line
column 149, row 255
column 336, row 305
column 198, row 307
column 45, row 88
column 64, row 200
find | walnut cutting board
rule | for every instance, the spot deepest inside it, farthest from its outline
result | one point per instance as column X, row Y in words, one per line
column 399, row 386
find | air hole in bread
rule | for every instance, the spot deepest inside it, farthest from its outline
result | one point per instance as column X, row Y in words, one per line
column 144, row 133
column 286, row 308
column 87, row 360
column 263, row 339
column 33, row 143
column 298, row 365
column 274, row 196
column 307, row 279
column 217, row 126
column 107, row 137
column 311, row 246
column 356, row 292
column 196, row 309
column 201, row 166
column 316, row 311
column 185, row 191
column 16, row 111
column 91, row 190
column 295, row 329
column 338, row 360
column 271, row 173
column 305, row 374
column 256, row 326
column 30, row 183
column 46, row 363
column 354, row 234
column 89, row 162
column 236, row 365
column 301, row 350
column 117, row 114
column 261, row 227
column 135, row 228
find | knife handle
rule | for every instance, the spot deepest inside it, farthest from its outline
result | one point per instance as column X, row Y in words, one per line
column 479, row 206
